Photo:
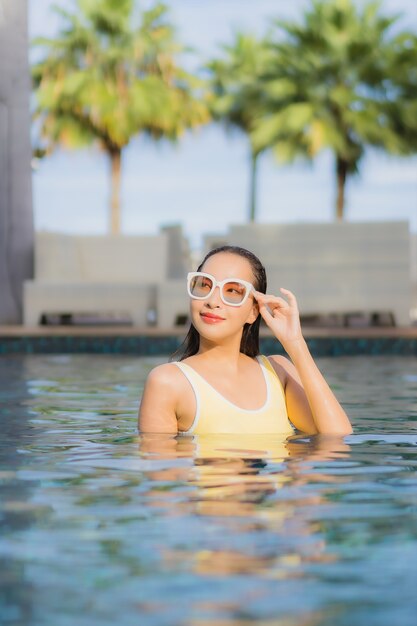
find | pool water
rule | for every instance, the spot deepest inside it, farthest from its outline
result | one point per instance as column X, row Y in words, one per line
column 100, row 526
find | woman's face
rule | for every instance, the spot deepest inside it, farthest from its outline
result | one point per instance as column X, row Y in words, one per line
column 214, row 319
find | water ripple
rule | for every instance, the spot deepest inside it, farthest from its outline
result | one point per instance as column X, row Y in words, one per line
column 121, row 528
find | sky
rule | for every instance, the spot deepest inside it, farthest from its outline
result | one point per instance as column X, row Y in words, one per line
column 203, row 181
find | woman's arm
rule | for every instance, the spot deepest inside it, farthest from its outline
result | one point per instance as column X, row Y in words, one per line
column 157, row 412
column 312, row 406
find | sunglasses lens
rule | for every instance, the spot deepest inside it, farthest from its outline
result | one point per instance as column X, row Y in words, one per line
column 234, row 292
column 200, row 286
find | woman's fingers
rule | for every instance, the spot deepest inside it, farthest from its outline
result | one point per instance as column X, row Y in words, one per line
column 271, row 311
column 273, row 307
column 289, row 294
column 269, row 299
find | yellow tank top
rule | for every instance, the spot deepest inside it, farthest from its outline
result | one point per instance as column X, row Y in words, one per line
column 217, row 415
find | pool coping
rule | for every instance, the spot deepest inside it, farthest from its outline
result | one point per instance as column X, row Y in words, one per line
column 152, row 341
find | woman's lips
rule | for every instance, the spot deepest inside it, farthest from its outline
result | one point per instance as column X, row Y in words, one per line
column 209, row 318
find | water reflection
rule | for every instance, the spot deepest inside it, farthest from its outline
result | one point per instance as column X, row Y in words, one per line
column 304, row 517
column 248, row 485
column 100, row 525
column 17, row 512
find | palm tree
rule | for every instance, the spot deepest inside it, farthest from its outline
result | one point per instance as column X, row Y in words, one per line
column 331, row 84
column 105, row 79
column 236, row 94
column 400, row 106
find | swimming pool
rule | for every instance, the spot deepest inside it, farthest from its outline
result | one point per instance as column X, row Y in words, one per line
column 99, row 526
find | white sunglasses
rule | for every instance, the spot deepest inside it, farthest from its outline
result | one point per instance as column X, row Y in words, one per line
column 233, row 291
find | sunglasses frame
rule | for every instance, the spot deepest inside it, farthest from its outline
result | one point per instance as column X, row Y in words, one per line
column 219, row 283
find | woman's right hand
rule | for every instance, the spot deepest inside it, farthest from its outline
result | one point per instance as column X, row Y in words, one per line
column 281, row 315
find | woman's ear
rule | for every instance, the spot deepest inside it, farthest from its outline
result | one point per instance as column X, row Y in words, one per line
column 254, row 312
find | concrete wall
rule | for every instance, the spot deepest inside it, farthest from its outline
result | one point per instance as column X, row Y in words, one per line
column 16, row 218
column 179, row 253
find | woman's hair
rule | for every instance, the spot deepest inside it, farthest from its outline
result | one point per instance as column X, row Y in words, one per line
column 249, row 344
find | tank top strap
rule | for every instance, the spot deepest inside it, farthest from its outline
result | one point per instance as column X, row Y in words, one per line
column 195, row 378
column 265, row 361
column 192, row 376
column 268, row 365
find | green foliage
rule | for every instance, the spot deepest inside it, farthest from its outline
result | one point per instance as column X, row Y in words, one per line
column 106, row 80
column 340, row 80
column 111, row 74
column 234, row 82
column 237, row 94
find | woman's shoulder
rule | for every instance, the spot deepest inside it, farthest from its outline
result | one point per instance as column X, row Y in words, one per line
column 282, row 365
column 166, row 374
column 278, row 359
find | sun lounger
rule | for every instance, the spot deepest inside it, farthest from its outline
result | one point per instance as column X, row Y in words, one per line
column 336, row 268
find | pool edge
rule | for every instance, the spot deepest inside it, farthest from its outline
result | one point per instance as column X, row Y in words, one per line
column 158, row 342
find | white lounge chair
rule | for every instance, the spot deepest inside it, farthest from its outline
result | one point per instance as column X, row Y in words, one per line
column 95, row 275
column 336, row 268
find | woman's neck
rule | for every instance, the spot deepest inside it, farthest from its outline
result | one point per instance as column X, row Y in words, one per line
column 224, row 353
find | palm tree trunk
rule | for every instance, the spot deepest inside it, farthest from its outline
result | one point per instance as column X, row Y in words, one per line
column 116, row 170
column 341, row 173
column 253, row 186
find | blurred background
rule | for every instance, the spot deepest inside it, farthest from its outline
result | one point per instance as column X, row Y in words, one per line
column 203, row 179
column 161, row 130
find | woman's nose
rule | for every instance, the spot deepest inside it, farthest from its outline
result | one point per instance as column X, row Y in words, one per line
column 215, row 299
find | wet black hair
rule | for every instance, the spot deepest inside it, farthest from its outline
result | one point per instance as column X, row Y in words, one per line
column 249, row 344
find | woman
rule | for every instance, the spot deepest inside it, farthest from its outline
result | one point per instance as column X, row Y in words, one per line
column 220, row 384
